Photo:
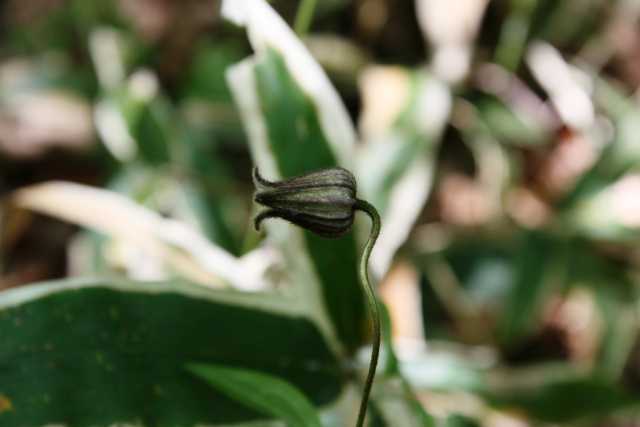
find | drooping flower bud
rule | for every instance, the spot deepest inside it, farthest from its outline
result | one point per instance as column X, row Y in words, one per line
column 322, row 202
column 325, row 203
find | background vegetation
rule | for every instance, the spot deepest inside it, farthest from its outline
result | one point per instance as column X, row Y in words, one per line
column 498, row 139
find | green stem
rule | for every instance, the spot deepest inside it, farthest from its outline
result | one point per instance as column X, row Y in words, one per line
column 304, row 16
column 367, row 208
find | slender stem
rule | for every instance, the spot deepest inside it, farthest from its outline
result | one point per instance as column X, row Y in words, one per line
column 304, row 16
column 367, row 208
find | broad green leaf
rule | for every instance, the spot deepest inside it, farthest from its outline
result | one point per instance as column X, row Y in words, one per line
column 264, row 393
column 296, row 123
column 95, row 353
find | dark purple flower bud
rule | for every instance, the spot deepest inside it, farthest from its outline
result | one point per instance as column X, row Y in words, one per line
column 322, row 202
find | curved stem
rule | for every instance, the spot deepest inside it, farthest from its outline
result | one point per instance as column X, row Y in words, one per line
column 367, row 208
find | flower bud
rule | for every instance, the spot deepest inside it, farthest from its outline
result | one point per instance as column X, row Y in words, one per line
column 322, row 202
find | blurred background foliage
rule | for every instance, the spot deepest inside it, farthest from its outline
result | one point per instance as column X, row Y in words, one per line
column 499, row 139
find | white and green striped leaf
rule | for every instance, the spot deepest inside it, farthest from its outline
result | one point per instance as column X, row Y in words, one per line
column 296, row 123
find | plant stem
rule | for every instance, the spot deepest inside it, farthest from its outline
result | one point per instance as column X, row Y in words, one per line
column 367, row 208
column 304, row 16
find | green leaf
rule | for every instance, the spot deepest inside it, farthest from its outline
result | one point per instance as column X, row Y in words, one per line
column 295, row 144
column 375, row 417
column 204, row 80
column 458, row 420
column 485, row 269
column 266, row 394
column 481, row 277
column 537, row 257
column 152, row 132
column 515, row 33
column 616, row 299
column 296, row 123
column 209, row 208
column 568, row 400
column 295, row 135
column 148, row 123
column 96, row 353
column 619, row 157
column 552, row 23
column 506, row 124
column 591, row 207
column 299, row 145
